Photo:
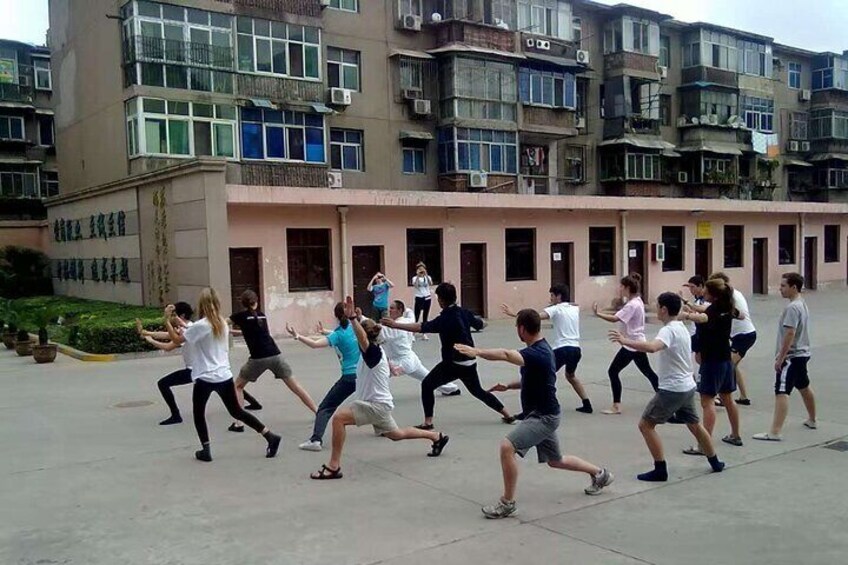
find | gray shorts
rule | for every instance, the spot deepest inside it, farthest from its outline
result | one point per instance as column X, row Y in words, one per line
column 665, row 403
column 253, row 369
column 539, row 432
column 371, row 414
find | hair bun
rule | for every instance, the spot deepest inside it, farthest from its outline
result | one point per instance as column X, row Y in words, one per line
column 636, row 277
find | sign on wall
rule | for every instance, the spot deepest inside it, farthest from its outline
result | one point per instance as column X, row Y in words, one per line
column 705, row 230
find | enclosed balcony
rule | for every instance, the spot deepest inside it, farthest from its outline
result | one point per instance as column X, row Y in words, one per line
column 142, row 49
column 270, row 8
column 16, row 93
column 711, row 76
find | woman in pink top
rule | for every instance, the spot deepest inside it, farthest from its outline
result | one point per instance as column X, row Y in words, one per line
column 632, row 319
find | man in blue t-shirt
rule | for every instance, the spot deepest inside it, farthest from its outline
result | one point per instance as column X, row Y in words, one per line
column 379, row 289
column 542, row 412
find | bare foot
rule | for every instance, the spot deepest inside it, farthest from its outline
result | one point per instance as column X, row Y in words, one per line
column 615, row 410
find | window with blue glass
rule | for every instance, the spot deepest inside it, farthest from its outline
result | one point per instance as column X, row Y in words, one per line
column 282, row 135
column 346, row 150
column 414, row 160
column 541, row 85
column 759, row 113
column 830, row 72
column 795, row 76
column 467, row 150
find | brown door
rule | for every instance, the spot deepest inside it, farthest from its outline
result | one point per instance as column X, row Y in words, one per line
column 562, row 255
column 244, row 274
column 760, row 267
column 637, row 262
column 472, row 277
column 703, row 257
column 367, row 260
column 811, row 262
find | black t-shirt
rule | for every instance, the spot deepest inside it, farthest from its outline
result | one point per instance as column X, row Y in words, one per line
column 373, row 355
column 254, row 328
column 714, row 336
column 453, row 326
column 538, row 380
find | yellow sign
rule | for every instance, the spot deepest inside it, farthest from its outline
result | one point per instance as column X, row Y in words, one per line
column 705, row 230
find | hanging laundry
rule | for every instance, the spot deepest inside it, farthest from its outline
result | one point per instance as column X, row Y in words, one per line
column 760, row 142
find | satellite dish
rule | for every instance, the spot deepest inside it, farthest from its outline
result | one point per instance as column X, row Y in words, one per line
column 436, row 17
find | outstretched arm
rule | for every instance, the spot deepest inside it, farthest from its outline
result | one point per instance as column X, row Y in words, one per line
column 507, row 355
column 512, row 314
column 161, row 345
column 350, row 312
column 173, row 335
column 313, row 342
column 405, row 326
column 643, row 346
column 603, row 316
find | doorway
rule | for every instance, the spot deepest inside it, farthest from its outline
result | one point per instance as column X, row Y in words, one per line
column 562, row 267
column 811, row 262
column 244, row 274
column 637, row 262
column 703, row 257
column 760, row 266
column 367, row 261
column 472, row 277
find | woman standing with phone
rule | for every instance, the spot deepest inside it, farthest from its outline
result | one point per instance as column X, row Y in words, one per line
column 422, row 282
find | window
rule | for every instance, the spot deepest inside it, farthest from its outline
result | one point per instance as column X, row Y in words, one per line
column 545, row 17
column 798, row 125
column 500, row 13
column 18, row 185
column 180, row 129
column 410, row 8
column 577, row 32
column 755, row 59
column 278, row 48
column 601, row 252
column 632, row 35
column 665, row 51
column 424, row 246
column 733, row 246
column 345, row 5
column 640, row 37
column 282, row 135
column 414, row 160
column 540, row 85
column 43, row 81
column 343, row 68
column 795, row 75
column 11, row 127
column 786, row 245
column 665, row 109
column 49, row 184
column 45, row 130
column 644, row 166
column 572, row 165
column 829, row 124
column 520, row 254
column 703, row 102
column 346, row 150
column 308, row 252
column 469, row 150
column 831, row 243
column 673, row 238
column 759, row 113
column 478, row 89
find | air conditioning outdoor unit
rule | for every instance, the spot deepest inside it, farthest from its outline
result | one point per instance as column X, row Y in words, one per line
column 411, row 93
column 340, row 96
column 334, row 179
column 421, row 107
column 714, row 119
column 411, row 22
column 530, row 42
column 583, row 57
column 543, row 44
column 805, row 146
column 663, row 71
column 325, row 3
column 581, row 123
column 658, row 250
column 478, row 180
column 794, row 146
column 682, row 177
column 804, row 95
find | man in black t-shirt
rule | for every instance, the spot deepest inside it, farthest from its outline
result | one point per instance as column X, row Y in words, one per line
column 541, row 409
column 264, row 354
column 454, row 327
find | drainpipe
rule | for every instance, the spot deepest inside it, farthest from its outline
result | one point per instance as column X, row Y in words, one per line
column 802, row 263
column 625, row 258
column 346, row 290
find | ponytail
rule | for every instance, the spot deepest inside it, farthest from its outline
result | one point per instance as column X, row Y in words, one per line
column 339, row 313
column 632, row 282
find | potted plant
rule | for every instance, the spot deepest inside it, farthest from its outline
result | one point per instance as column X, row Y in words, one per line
column 44, row 351
column 11, row 317
column 23, row 343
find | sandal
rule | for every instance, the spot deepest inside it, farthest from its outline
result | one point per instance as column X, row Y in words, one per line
column 438, row 445
column 694, row 450
column 326, row 474
column 425, row 427
column 732, row 440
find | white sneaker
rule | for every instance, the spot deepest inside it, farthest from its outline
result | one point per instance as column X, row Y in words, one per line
column 768, row 437
column 811, row 424
column 310, row 445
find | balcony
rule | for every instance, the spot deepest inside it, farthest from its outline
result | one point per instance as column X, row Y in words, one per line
column 475, row 35
column 280, row 89
column 497, row 184
column 635, row 64
column 556, row 121
column 173, row 52
column 21, row 208
column 545, row 185
column 283, row 174
column 272, row 9
column 720, row 77
column 617, row 127
column 10, row 92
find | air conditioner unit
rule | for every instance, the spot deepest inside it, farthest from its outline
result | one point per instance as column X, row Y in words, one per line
column 340, row 96
column 411, row 22
column 411, row 93
column 543, row 44
column 530, row 42
column 714, row 119
column 658, row 252
column 334, row 179
column 325, row 3
column 582, row 57
column 794, row 146
column 663, row 71
column 421, row 107
column 804, row 95
column 581, row 123
column 682, row 177
column 805, row 146
column 478, row 180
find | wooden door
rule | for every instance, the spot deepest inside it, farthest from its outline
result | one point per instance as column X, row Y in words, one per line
column 367, row 260
column 472, row 277
column 760, row 266
column 637, row 262
column 703, row 257
column 244, row 274
column 562, row 257
column 811, row 262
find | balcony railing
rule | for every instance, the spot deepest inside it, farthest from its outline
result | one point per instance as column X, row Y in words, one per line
column 10, row 92
column 299, row 7
column 710, row 75
column 545, row 185
column 155, row 49
column 616, row 127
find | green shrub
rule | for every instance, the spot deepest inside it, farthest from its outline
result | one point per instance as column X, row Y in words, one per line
column 24, row 272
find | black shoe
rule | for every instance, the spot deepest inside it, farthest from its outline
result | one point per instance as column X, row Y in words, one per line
column 253, row 406
column 585, row 409
column 203, row 455
column 438, row 446
column 236, row 429
column 457, row 392
column 509, row 420
column 520, row 417
column 175, row 419
column 743, row 401
column 274, row 442
column 425, row 427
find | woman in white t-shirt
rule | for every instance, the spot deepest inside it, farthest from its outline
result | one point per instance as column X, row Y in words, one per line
column 208, row 340
column 421, row 284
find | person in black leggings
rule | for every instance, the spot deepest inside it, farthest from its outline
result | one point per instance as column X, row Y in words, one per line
column 632, row 318
column 422, row 282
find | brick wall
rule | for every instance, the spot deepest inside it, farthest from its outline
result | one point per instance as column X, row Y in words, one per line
column 632, row 61
column 477, row 35
column 549, row 117
column 280, row 89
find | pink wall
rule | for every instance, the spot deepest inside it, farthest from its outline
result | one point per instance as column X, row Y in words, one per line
column 32, row 234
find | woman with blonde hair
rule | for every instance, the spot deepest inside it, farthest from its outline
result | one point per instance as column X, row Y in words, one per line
column 207, row 341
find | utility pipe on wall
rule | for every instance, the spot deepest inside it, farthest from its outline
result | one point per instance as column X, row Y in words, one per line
column 625, row 253
column 346, row 290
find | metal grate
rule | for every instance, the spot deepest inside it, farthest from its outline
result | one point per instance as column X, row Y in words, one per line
column 837, row 446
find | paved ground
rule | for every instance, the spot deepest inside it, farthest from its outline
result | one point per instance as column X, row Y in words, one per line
column 85, row 481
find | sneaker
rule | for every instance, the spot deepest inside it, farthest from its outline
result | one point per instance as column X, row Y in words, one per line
column 457, row 392
column 718, row 402
column 743, row 401
column 599, row 481
column 500, row 510
column 310, row 445
column 811, row 424
column 768, row 437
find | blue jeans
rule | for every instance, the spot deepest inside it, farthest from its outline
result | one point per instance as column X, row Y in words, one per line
column 339, row 392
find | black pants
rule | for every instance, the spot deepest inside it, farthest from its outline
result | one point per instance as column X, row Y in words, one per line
column 446, row 372
column 621, row 360
column 422, row 305
column 178, row 378
column 227, row 391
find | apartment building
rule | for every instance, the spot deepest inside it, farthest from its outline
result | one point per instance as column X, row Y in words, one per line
column 28, row 169
column 298, row 146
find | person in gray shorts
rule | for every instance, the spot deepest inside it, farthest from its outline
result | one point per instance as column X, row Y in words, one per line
column 676, row 392
column 541, row 409
column 264, row 354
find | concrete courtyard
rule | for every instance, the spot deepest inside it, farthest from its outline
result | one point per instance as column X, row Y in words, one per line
column 87, row 477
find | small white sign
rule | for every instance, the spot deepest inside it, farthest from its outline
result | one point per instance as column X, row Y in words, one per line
column 557, row 256
column 632, row 253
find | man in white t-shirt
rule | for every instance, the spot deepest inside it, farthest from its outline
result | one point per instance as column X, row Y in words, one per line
column 565, row 340
column 676, row 393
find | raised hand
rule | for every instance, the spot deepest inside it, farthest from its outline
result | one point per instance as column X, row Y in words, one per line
column 349, row 307
column 499, row 388
column 320, row 328
column 291, row 331
column 466, row 350
column 139, row 328
column 169, row 310
column 507, row 310
column 615, row 336
column 358, row 311
column 387, row 322
column 595, row 308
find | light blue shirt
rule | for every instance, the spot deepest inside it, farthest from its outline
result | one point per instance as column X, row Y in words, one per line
column 347, row 347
